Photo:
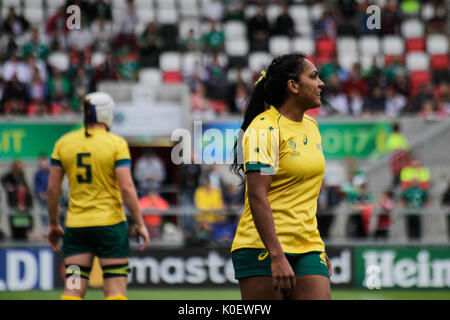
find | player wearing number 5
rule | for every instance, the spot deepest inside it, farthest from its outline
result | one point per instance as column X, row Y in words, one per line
column 97, row 164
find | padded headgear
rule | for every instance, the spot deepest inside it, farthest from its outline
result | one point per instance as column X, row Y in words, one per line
column 102, row 108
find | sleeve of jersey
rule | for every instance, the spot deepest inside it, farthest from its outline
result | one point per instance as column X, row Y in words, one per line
column 123, row 157
column 261, row 150
column 55, row 159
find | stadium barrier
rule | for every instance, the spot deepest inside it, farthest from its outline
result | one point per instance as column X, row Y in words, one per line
column 371, row 267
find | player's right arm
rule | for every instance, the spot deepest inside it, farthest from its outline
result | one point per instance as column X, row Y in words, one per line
column 129, row 196
column 55, row 231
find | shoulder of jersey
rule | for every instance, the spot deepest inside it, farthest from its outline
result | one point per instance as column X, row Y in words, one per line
column 311, row 119
column 69, row 135
column 265, row 120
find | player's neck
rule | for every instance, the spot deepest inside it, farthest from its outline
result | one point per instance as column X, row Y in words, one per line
column 97, row 126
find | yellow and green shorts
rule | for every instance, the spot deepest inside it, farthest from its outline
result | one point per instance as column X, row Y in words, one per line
column 249, row 262
column 103, row 241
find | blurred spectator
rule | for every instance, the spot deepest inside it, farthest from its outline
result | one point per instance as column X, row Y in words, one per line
column 14, row 25
column 80, row 39
column 15, row 67
column 232, row 196
column 395, row 70
column 222, row 231
column 127, row 26
column 233, row 10
column 15, row 97
column 384, row 220
column 37, row 93
column 57, row 23
column 214, row 38
column 153, row 221
column 128, row 65
column 397, row 144
column 375, row 102
column 325, row 26
column 217, row 84
column 201, row 105
column 212, row 10
column 284, row 25
column 415, row 174
column 102, row 35
column 355, row 82
column 40, row 188
column 417, row 102
column 189, row 181
column 437, row 24
column 19, row 197
column 395, row 102
column 82, row 84
column 207, row 199
column 445, row 199
column 332, row 67
column 414, row 198
column 195, row 77
column 35, row 46
column 58, row 86
column 190, row 42
column 258, row 30
column 150, row 46
column 362, row 207
column 390, row 19
column 100, row 9
column 239, row 97
column 150, row 172
column 346, row 14
column 334, row 97
column 108, row 69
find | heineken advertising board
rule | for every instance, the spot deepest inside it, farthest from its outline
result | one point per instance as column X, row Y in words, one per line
column 27, row 140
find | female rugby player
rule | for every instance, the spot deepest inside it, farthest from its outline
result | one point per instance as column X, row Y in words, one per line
column 277, row 251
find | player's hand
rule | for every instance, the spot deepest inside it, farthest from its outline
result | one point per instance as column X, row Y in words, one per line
column 283, row 276
column 330, row 272
column 142, row 232
column 54, row 235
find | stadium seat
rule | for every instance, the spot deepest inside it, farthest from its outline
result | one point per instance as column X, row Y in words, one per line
column 97, row 59
column 427, row 11
column 259, row 60
column 167, row 16
column 188, row 8
column 440, row 62
column 6, row 4
column 165, row 4
column 59, row 60
column 304, row 44
column 393, row 45
column 150, row 76
column 347, row 60
column 145, row 16
column 236, row 47
column 170, row 61
column 417, row 61
column 437, row 44
column 246, row 75
column 250, row 11
column 299, row 13
column 32, row 3
column 34, row 15
column 369, row 45
column 117, row 4
column 347, row 45
column 279, row 45
column 304, row 30
column 272, row 12
column 412, row 28
column 144, row 4
column 415, row 44
column 235, row 30
column 367, row 61
column 316, row 11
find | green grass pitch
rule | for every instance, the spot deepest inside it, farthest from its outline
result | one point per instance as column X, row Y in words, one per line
column 230, row 294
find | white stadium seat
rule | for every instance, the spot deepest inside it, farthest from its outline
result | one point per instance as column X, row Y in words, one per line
column 393, row 45
column 259, row 60
column 346, row 45
column 272, row 12
column 97, row 59
column 33, row 3
column 437, row 44
column 369, row 45
column 166, row 4
column 144, row 4
column 299, row 13
column 34, row 15
column 150, row 76
column 188, row 8
column 236, row 47
column 417, row 61
column 250, row 10
column 347, row 60
column 167, row 16
column 304, row 44
column 187, row 24
column 246, row 75
column 145, row 15
column 412, row 28
column 189, row 61
column 170, row 61
column 279, row 45
column 235, row 30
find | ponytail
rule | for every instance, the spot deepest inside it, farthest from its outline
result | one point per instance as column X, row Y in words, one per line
column 255, row 106
column 87, row 115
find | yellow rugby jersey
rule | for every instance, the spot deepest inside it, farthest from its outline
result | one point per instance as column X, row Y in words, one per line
column 292, row 153
column 90, row 163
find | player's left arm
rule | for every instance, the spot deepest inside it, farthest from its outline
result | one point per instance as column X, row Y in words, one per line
column 55, row 231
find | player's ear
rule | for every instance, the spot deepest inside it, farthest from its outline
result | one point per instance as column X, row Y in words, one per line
column 293, row 86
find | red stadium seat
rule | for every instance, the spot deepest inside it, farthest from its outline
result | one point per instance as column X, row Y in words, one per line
column 415, row 44
column 417, row 79
column 172, row 77
column 389, row 59
column 440, row 62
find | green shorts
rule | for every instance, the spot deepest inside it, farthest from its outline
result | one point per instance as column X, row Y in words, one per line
column 103, row 242
column 256, row 262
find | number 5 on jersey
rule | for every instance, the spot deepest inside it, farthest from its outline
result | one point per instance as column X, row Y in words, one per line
column 81, row 163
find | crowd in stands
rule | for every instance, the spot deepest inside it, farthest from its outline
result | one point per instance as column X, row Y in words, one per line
column 117, row 42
